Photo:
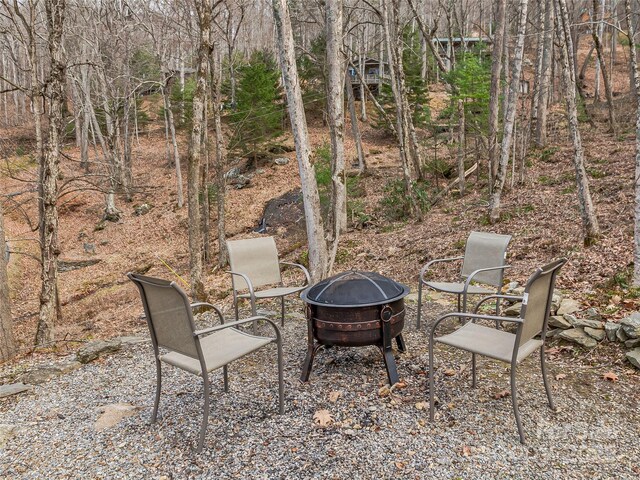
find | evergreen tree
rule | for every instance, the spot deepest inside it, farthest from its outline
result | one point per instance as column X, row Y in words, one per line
column 417, row 92
column 258, row 115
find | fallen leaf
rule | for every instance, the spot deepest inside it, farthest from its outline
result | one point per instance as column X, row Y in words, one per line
column 323, row 418
column 399, row 465
column 502, row 394
column 466, row 451
column 616, row 299
column 612, row 377
column 384, row 391
column 422, row 405
column 334, row 396
column 111, row 415
column 552, row 351
column 450, row 372
column 560, row 376
column 399, row 385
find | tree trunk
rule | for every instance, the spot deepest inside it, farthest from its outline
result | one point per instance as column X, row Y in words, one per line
column 7, row 340
column 494, row 94
column 49, row 246
column 510, row 115
column 603, row 68
column 635, row 86
column 535, row 98
column 166, row 95
column 395, row 64
column 355, row 129
column 221, row 160
column 587, row 211
column 194, row 180
column 318, row 255
column 335, row 108
column 461, row 146
column 544, row 85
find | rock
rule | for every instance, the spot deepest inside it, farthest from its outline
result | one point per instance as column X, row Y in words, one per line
column 634, row 357
column 559, row 322
column 296, row 316
column 233, row 173
column 111, row 415
column 556, row 300
column 281, row 161
column 631, row 325
column 142, row 209
column 67, row 366
column 595, row 333
column 621, row 336
column 582, row 322
column 513, row 310
column 511, row 286
column 69, row 265
column 552, row 333
column 263, row 312
column 577, row 335
column 610, row 329
column 13, row 389
column 6, row 432
column 240, row 181
column 38, row 375
column 593, row 314
column 568, row 305
column 632, row 343
column 93, row 350
column 132, row 340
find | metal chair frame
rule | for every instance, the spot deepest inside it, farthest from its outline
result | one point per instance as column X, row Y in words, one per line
column 551, row 269
column 462, row 296
column 139, row 280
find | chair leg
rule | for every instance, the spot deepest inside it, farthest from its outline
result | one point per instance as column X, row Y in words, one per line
column 419, row 303
column 235, row 307
column 280, row 379
column 431, row 382
column 514, row 400
column 282, row 311
column 156, row 403
column 225, row 374
column 205, row 413
column 547, row 387
column 254, row 312
column 473, row 370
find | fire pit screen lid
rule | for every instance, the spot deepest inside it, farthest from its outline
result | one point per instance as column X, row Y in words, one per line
column 355, row 289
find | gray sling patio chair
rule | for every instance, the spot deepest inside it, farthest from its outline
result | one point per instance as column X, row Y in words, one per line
column 501, row 345
column 172, row 328
column 254, row 264
column 483, row 263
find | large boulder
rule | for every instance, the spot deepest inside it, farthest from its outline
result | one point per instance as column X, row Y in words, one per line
column 568, row 305
column 513, row 310
column 631, row 325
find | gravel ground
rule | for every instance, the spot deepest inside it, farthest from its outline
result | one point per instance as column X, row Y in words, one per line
column 374, row 434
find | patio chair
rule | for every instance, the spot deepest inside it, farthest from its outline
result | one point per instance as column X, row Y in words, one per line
column 483, row 262
column 172, row 328
column 254, row 264
column 502, row 345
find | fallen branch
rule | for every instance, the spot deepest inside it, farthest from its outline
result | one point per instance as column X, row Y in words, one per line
column 442, row 193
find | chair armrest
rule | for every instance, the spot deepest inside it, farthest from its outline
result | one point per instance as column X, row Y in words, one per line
column 246, row 279
column 215, row 309
column 517, row 298
column 205, row 331
column 437, row 260
column 301, row 267
column 477, row 316
column 470, row 279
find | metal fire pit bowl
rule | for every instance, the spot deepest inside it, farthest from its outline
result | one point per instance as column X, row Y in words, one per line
column 354, row 309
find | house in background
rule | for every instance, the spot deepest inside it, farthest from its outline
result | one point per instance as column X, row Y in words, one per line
column 372, row 71
column 459, row 44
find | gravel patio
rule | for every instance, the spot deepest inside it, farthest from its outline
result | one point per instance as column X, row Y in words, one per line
column 372, row 433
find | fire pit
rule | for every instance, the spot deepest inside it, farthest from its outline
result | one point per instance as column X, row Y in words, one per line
column 354, row 309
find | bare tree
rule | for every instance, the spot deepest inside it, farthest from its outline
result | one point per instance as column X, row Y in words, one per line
column 510, row 115
column 336, row 67
column 48, row 175
column 587, row 210
column 494, row 95
column 7, row 340
column 544, row 80
column 318, row 254
column 602, row 65
column 635, row 86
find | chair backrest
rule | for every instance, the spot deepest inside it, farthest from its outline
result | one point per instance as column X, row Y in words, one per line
column 537, row 299
column 168, row 313
column 484, row 250
column 257, row 258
